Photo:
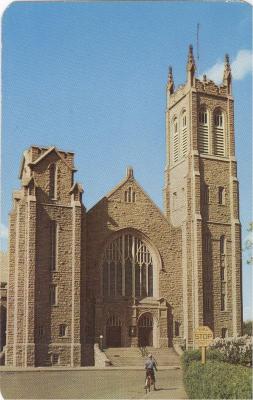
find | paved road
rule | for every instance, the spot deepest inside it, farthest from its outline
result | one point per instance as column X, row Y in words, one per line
column 89, row 384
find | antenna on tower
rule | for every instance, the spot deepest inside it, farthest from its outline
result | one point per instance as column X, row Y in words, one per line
column 198, row 26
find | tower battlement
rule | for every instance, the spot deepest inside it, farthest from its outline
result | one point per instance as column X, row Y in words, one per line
column 204, row 85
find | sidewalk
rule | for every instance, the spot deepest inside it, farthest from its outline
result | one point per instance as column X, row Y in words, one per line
column 89, row 383
column 4, row 368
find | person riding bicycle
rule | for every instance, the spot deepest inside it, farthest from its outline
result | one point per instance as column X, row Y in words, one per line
column 150, row 367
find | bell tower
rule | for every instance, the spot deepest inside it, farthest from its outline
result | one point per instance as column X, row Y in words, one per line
column 201, row 196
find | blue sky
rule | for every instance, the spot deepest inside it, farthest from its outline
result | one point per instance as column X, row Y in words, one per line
column 90, row 78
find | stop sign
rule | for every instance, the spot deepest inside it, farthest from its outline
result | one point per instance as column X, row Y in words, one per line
column 203, row 336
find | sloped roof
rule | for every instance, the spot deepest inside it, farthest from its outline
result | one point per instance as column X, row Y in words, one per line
column 41, row 157
column 50, row 150
column 130, row 178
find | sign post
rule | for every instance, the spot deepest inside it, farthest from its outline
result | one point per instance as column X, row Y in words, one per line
column 203, row 336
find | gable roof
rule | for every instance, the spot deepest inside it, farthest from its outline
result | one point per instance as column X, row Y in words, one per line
column 130, row 178
column 50, row 150
column 41, row 157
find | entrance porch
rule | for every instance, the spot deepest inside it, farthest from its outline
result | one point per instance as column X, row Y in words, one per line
column 120, row 324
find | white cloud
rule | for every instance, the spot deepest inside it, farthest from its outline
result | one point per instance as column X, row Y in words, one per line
column 240, row 66
column 3, row 231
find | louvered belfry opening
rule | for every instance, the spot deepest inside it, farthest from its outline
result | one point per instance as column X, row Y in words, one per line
column 219, row 145
column 184, row 134
column 203, row 135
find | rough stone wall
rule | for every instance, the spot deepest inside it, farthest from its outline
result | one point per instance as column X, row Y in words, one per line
column 30, row 276
column 50, row 316
column 201, row 219
column 11, row 289
column 112, row 214
column 41, row 175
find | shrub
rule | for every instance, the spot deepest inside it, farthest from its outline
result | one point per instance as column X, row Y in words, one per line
column 217, row 380
column 213, row 354
column 236, row 350
column 195, row 355
column 190, row 356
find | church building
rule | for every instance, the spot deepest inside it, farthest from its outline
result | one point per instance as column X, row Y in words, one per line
column 126, row 270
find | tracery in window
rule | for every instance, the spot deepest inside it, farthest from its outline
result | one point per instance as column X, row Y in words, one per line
column 127, row 268
column 218, row 134
column 203, row 131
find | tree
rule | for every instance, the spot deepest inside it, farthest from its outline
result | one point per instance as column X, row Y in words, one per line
column 247, row 328
column 248, row 244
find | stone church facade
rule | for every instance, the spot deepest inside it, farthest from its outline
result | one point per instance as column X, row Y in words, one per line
column 124, row 269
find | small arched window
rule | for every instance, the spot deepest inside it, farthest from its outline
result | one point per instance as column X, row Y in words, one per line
column 222, row 245
column 184, row 133
column 203, row 131
column 219, row 137
column 221, row 195
column 62, row 330
column 130, row 195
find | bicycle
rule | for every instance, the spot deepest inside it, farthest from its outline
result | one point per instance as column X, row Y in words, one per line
column 149, row 380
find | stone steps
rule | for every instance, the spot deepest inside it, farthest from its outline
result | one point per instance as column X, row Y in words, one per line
column 133, row 356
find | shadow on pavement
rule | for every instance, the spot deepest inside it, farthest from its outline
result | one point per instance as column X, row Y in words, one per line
column 171, row 388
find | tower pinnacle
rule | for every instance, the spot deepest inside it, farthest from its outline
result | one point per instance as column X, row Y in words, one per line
column 170, row 84
column 227, row 76
column 191, row 67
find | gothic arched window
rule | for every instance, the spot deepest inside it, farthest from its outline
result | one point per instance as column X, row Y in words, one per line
column 127, row 268
column 218, row 134
column 203, row 131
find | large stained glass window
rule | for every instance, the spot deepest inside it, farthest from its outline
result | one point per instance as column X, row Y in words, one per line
column 127, row 268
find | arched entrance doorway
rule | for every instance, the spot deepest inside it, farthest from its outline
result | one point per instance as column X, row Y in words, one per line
column 113, row 332
column 145, row 330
